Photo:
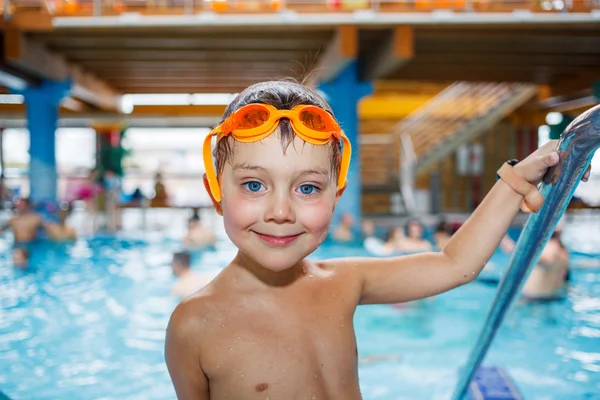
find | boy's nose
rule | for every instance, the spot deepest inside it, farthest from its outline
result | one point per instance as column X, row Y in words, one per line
column 280, row 210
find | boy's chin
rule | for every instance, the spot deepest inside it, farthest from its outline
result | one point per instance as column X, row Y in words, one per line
column 279, row 264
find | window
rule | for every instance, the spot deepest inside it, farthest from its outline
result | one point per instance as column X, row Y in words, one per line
column 174, row 152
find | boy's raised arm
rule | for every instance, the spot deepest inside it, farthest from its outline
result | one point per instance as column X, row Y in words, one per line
column 406, row 278
column 182, row 359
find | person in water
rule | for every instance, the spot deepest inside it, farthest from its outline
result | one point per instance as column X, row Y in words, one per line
column 188, row 281
column 414, row 241
column 24, row 223
column 198, row 235
column 343, row 233
column 61, row 232
column 274, row 324
column 548, row 278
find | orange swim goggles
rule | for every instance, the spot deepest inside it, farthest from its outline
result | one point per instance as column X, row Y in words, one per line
column 256, row 121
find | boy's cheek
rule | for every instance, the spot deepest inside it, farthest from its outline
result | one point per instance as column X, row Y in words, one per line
column 317, row 216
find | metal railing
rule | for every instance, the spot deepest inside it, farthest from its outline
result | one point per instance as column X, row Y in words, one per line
column 456, row 115
column 183, row 7
column 576, row 148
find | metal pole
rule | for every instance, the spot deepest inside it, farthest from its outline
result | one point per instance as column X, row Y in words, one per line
column 2, row 174
column 576, row 149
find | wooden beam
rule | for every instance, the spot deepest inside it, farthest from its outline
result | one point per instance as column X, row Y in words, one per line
column 33, row 58
column 395, row 50
column 340, row 51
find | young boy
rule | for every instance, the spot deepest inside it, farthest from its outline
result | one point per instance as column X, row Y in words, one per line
column 272, row 324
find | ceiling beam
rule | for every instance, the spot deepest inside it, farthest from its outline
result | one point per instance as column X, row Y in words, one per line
column 186, row 55
column 395, row 50
column 33, row 58
column 341, row 50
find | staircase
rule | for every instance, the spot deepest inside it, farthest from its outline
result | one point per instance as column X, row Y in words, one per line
column 457, row 115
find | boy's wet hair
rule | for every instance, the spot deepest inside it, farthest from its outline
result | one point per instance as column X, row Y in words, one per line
column 183, row 258
column 283, row 95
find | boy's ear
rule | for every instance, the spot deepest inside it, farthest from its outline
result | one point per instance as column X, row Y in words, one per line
column 215, row 203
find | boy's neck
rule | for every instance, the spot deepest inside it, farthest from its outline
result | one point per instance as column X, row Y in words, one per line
column 270, row 278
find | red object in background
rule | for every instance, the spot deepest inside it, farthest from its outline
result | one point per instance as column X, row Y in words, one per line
column 334, row 4
column 114, row 138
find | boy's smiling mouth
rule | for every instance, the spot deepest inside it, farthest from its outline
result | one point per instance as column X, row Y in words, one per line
column 278, row 241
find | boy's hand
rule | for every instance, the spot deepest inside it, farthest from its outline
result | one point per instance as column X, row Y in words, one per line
column 533, row 168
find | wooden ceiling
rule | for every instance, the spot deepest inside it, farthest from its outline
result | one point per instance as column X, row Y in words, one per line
column 142, row 61
column 171, row 59
column 174, row 62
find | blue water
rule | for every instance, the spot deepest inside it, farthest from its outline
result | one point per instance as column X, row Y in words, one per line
column 88, row 322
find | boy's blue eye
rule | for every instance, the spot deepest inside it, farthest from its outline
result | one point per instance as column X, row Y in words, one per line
column 253, row 186
column 307, row 189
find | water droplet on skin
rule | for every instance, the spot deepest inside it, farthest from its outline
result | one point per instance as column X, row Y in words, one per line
column 288, row 349
column 473, row 273
column 231, row 349
column 315, row 376
column 342, row 325
column 314, row 397
column 242, row 375
column 218, row 366
column 310, row 276
column 238, row 338
column 204, row 319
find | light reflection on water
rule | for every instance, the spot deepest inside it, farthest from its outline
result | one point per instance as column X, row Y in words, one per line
column 88, row 322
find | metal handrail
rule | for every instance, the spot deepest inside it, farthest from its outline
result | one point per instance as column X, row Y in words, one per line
column 576, row 148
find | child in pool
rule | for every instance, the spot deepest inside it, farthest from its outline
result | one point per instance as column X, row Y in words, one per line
column 272, row 324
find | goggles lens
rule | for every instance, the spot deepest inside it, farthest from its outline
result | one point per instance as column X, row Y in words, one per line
column 314, row 120
column 253, row 118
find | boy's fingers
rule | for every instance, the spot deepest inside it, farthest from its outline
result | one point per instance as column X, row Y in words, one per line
column 552, row 159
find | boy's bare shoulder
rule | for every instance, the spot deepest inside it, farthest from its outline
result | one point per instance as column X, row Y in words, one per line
column 193, row 314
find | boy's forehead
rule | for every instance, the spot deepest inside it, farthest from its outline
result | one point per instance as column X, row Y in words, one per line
column 269, row 152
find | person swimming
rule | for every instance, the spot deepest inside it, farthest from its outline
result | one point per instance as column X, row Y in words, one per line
column 188, row 281
column 548, row 278
column 25, row 223
column 61, row 232
column 343, row 233
column 198, row 235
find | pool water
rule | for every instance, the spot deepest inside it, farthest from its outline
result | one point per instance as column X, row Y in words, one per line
column 88, row 322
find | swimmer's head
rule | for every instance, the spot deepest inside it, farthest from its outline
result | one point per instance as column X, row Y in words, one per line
column 443, row 227
column 181, row 263
column 368, row 227
column 395, row 233
column 23, row 204
column 20, row 258
column 347, row 220
column 277, row 194
column 415, row 229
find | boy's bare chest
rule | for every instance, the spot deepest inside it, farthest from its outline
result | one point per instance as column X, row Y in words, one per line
column 276, row 341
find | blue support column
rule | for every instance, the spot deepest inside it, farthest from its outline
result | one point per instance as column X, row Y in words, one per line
column 343, row 94
column 42, row 104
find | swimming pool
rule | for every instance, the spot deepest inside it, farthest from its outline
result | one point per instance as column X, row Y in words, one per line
column 88, row 323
